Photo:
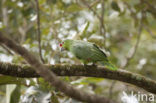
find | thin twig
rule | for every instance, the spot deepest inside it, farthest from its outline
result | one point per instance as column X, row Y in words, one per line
column 94, row 3
column 39, row 31
column 134, row 49
column 90, row 7
column 111, row 89
column 149, row 31
column 4, row 13
column 151, row 7
column 102, row 24
column 4, row 47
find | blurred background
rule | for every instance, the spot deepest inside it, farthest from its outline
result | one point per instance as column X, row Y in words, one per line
column 124, row 29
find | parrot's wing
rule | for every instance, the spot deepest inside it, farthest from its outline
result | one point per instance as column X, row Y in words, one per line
column 81, row 51
column 99, row 50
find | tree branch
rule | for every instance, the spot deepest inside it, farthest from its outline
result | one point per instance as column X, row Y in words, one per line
column 5, row 48
column 39, row 31
column 25, row 71
column 102, row 22
column 149, row 31
column 50, row 76
column 90, row 8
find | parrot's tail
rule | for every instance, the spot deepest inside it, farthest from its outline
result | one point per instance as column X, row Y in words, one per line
column 109, row 65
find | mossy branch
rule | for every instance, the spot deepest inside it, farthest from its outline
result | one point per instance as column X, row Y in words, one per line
column 26, row 71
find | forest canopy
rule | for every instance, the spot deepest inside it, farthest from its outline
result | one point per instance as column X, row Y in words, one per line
column 123, row 29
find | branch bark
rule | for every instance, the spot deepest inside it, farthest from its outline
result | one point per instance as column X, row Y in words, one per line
column 102, row 22
column 39, row 31
column 50, row 76
column 25, row 71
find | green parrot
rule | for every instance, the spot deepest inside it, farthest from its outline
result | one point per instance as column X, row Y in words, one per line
column 86, row 52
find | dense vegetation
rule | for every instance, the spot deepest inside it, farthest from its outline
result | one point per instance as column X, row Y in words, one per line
column 124, row 29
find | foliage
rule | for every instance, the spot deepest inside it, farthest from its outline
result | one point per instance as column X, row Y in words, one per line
column 62, row 19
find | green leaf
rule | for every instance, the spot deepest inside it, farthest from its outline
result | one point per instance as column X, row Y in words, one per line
column 12, row 93
column 15, row 95
column 9, row 90
column 74, row 8
column 93, row 80
column 51, row 1
column 84, row 32
column 87, row 80
column 115, row 6
column 11, row 80
column 54, row 98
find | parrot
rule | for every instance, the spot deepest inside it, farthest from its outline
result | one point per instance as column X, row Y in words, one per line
column 86, row 52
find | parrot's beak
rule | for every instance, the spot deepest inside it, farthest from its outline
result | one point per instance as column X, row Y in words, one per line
column 62, row 49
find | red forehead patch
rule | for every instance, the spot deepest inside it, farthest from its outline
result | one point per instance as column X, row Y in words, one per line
column 60, row 45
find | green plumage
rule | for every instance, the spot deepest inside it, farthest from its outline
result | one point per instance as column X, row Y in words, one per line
column 87, row 52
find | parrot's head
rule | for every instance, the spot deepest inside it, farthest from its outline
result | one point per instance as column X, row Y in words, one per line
column 66, row 45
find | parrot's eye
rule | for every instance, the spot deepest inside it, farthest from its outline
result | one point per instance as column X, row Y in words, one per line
column 60, row 45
